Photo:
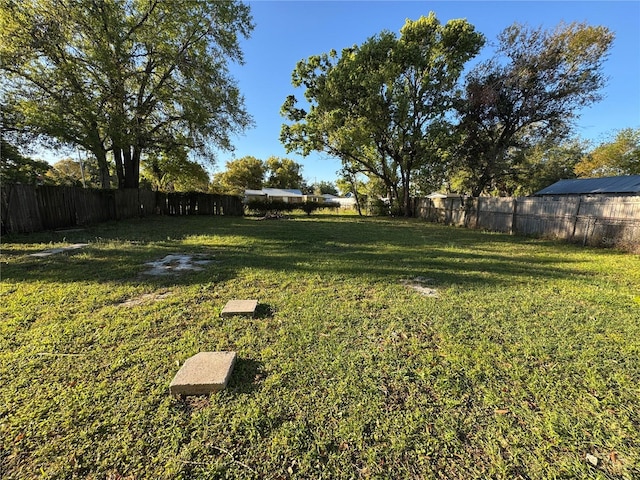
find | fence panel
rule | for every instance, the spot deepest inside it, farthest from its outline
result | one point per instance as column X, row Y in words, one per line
column 540, row 216
column 495, row 214
column 590, row 220
column 610, row 221
column 93, row 206
column 20, row 211
column 57, row 208
column 147, row 201
column 25, row 208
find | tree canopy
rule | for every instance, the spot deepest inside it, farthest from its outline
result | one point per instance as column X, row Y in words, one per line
column 125, row 77
column 378, row 106
column 240, row 175
column 283, row 173
column 529, row 93
column 621, row 156
column 174, row 171
column 17, row 168
column 322, row 187
column 251, row 173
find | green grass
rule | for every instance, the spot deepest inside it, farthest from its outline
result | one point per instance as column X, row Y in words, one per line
column 528, row 361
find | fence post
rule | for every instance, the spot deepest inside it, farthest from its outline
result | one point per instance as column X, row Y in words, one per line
column 514, row 216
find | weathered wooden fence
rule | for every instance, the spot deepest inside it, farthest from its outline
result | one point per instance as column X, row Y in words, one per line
column 24, row 208
column 590, row 220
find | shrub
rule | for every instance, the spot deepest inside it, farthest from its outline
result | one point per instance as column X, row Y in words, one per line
column 310, row 206
column 270, row 207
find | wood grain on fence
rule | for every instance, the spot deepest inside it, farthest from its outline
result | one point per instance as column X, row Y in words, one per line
column 590, row 220
column 25, row 208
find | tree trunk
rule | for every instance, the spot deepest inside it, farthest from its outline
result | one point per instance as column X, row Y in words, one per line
column 117, row 158
column 354, row 187
column 131, row 167
column 103, row 168
column 405, row 174
column 137, row 153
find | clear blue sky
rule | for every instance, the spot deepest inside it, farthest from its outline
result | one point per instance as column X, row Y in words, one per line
column 289, row 31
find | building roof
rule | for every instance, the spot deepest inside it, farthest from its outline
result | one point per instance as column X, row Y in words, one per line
column 623, row 184
column 282, row 192
column 255, row 193
column 275, row 192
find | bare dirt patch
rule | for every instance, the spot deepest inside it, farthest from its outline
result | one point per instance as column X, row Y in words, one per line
column 177, row 263
column 54, row 251
column 421, row 285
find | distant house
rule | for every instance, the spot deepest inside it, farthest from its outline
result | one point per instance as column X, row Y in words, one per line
column 314, row 198
column 605, row 186
column 347, row 202
column 296, row 196
column 279, row 194
column 254, row 195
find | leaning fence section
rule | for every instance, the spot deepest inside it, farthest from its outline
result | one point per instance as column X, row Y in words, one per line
column 589, row 220
column 24, row 208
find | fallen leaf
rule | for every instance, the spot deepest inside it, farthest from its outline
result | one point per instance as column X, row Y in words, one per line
column 613, row 456
column 502, row 411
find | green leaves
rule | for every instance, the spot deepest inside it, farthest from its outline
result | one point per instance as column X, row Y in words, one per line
column 126, row 76
column 374, row 106
column 621, row 156
column 528, row 93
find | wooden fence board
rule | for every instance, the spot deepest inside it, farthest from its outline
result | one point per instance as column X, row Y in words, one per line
column 24, row 208
column 594, row 220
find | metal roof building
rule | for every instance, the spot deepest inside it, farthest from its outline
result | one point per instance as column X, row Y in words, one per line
column 623, row 185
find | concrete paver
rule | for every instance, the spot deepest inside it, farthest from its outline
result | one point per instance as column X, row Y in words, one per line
column 239, row 307
column 204, row 373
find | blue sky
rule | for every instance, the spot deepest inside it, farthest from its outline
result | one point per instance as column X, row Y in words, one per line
column 289, row 31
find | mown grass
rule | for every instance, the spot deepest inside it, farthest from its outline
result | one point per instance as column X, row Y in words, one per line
column 527, row 362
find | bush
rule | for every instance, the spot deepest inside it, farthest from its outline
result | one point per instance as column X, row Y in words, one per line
column 310, row 206
column 270, row 207
column 277, row 207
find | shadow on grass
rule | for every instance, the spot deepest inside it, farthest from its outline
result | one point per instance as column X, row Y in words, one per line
column 263, row 311
column 247, row 376
column 375, row 249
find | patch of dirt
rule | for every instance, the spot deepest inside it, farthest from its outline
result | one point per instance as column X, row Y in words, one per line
column 53, row 251
column 421, row 285
column 177, row 263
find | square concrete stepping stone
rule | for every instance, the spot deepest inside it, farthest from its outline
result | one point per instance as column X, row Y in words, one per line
column 204, row 373
column 239, row 307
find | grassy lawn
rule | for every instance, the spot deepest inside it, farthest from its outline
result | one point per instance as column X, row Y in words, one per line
column 526, row 365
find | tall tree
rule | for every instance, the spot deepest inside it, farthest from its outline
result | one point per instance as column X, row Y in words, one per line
column 174, row 171
column 380, row 104
column 66, row 172
column 283, row 173
column 621, row 156
column 17, row 168
column 323, row 187
column 531, row 92
column 240, row 175
column 125, row 76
